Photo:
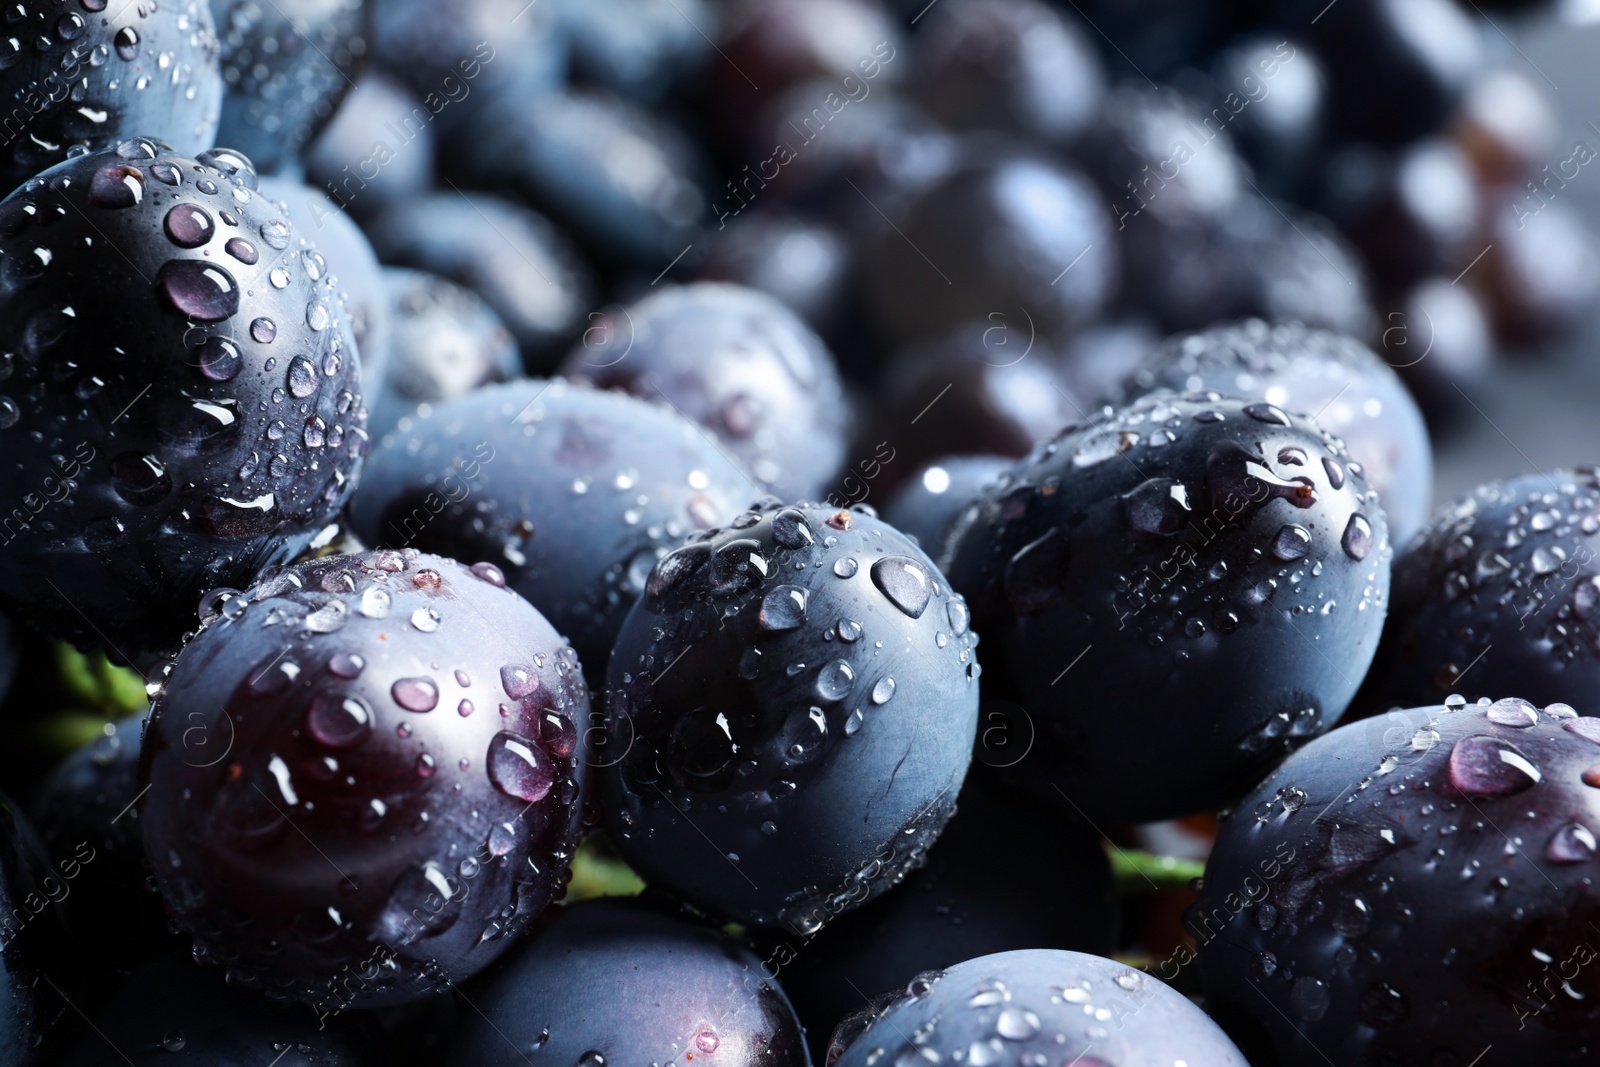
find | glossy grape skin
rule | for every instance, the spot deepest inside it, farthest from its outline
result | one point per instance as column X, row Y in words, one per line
column 210, row 420
column 516, row 259
column 1037, row 1002
column 619, row 981
column 1498, row 589
column 929, row 501
column 1351, row 392
column 791, row 706
column 546, row 478
column 341, row 822
column 1412, row 889
column 285, row 74
column 92, row 78
column 1156, row 586
column 739, row 363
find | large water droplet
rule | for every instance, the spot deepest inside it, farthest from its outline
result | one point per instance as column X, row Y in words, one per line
column 783, row 608
column 1517, row 714
column 1157, row 506
column 834, row 680
column 789, row 529
column 203, row 291
column 1573, row 843
column 116, row 187
column 415, row 694
column 1309, row 997
column 519, row 768
column 219, row 359
column 425, row 902
column 1292, row 543
column 188, row 225
column 302, row 377
column 126, row 42
column 339, row 720
column 1482, row 766
column 140, row 478
column 1357, row 540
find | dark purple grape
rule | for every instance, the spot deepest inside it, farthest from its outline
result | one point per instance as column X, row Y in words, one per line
column 1035, row 1006
column 928, row 502
column 1412, row 889
column 737, row 362
column 362, row 175
column 522, row 266
column 561, row 153
column 803, row 262
column 1019, row 236
column 447, row 342
column 1501, row 587
column 1013, row 65
column 792, row 705
column 1338, row 381
column 183, row 403
column 1177, row 593
column 363, row 778
column 1541, row 276
column 285, row 75
column 620, row 982
column 992, row 387
column 573, row 492
column 85, row 77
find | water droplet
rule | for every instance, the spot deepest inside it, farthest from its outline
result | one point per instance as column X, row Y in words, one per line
column 415, row 694
column 1382, row 1006
column 1357, row 540
column 883, row 690
column 518, row 681
column 1102, row 446
column 126, row 42
column 845, row 567
column 1292, row 543
column 1517, row 714
column 339, row 720
column 201, row 290
column 302, row 377
column 1267, row 413
column 425, row 902
column 905, row 582
column 375, row 603
column 346, row 664
column 174, row 1041
column 783, row 608
column 1573, row 843
column 1309, row 998
column 834, row 681
column 1016, row 1024
column 789, row 529
column 1482, row 766
column 219, row 359
column 188, row 226
column 849, row 631
column 1157, row 506
column 242, row 250
column 488, row 572
column 519, row 768
column 275, row 232
column 116, row 187
column 140, row 478
column 425, row 619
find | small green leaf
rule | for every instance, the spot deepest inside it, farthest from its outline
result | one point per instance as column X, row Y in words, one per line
column 1138, row 871
column 597, row 871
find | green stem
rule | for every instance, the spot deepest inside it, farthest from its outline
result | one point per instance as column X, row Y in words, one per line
column 1138, row 871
